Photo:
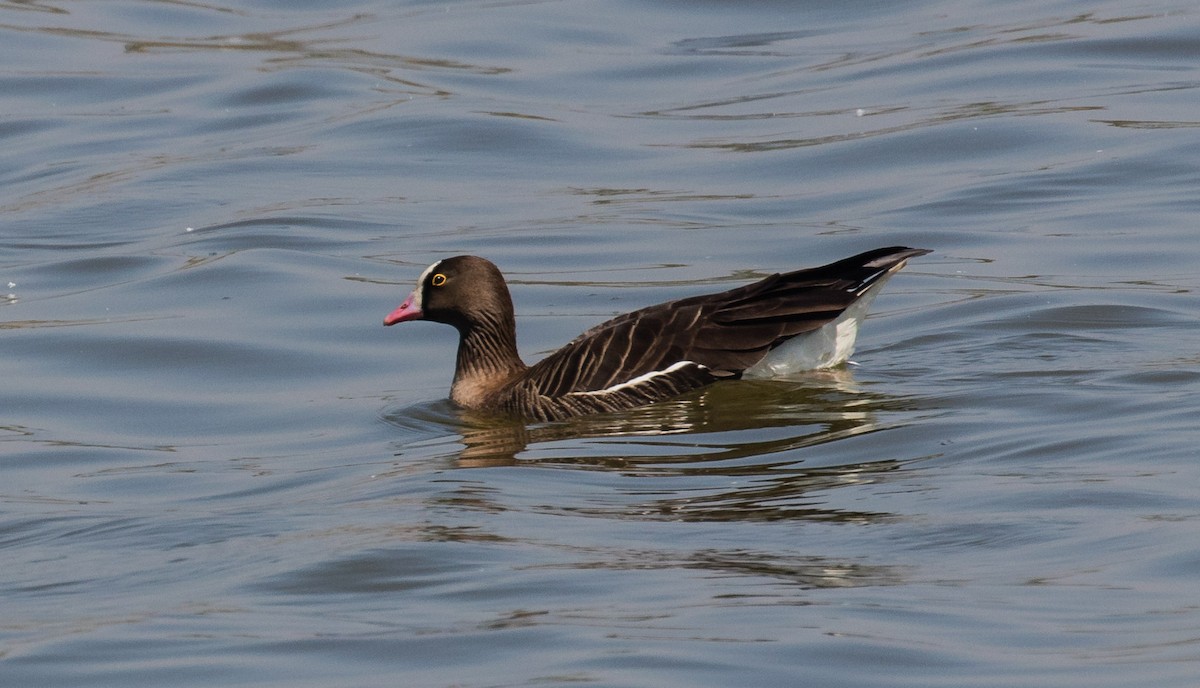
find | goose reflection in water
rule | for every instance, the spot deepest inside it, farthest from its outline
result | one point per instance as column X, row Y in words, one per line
column 744, row 442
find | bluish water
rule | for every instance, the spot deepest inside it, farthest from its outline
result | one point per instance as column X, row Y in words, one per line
column 218, row 468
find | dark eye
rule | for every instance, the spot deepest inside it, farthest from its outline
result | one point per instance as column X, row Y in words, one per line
column 438, row 280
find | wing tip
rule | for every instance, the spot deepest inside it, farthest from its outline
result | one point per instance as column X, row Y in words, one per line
column 894, row 257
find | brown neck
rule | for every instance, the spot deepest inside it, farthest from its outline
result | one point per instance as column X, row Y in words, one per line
column 487, row 360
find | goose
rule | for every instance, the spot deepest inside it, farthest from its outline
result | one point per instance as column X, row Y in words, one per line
column 777, row 326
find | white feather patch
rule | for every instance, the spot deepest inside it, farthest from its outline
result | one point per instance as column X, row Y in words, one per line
column 826, row 347
column 639, row 380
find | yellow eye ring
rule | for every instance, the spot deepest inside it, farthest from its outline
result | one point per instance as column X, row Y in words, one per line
column 438, row 280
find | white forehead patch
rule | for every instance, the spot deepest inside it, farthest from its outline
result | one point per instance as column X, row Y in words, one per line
column 431, row 268
column 417, row 293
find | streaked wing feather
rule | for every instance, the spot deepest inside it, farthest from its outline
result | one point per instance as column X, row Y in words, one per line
column 618, row 350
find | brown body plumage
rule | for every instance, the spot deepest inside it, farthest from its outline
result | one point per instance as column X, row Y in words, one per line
column 638, row 358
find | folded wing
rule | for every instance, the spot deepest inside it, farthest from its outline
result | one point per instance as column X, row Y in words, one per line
column 664, row 350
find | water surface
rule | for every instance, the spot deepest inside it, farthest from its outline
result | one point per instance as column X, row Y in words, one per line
column 219, row 468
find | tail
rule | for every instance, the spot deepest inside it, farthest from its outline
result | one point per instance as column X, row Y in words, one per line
column 857, row 280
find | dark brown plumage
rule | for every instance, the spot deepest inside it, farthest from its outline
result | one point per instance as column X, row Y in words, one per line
column 650, row 354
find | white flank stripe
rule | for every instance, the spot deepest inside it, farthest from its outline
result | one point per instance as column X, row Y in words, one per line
column 640, row 379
